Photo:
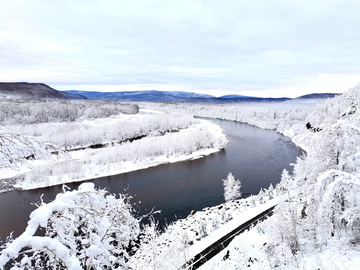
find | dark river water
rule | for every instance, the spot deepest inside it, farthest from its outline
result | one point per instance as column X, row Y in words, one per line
column 255, row 156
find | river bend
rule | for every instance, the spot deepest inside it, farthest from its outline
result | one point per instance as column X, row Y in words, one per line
column 255, row 156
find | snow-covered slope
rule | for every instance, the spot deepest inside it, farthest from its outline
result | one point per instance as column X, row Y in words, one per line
column 318, row 225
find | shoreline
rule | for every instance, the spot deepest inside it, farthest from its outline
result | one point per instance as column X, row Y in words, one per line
column 12, row 176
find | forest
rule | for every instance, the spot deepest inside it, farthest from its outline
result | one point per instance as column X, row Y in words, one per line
column 54, row 142
column 316, row 222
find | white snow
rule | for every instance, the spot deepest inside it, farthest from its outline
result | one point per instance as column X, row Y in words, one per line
column 316, row 226
column 316, row 222
column 200, row 229
column 82, row 165
column 80, row 228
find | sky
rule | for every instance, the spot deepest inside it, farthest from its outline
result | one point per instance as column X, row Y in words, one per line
column 278, row 48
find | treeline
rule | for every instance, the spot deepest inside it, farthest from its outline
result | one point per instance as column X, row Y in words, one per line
column 317, row 226
column 275, row 116
column 25, row 112
column 327, row 208
column 321, row 213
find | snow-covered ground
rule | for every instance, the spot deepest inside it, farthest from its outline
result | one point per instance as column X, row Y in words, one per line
column 316, row 223
column 199, row 139
column 187, row 237
column 251, row 250
column 316, row 229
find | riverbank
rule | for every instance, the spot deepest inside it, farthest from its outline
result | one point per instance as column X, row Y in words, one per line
column 301, row 233
column 178, row 188
column 318, row 228
column 200, row 139
column 187, row 237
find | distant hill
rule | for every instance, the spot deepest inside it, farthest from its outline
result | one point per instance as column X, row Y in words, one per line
column 234, row 96
column 318, row 95
column 40, row 91
column 34, row 91
column 68, row 95
column 239, row 98
column 170, row 96
column 148, row 95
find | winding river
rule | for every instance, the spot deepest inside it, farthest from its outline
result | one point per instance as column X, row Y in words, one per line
column 255, row 156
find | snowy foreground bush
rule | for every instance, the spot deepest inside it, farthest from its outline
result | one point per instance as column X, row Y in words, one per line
column 83, row 229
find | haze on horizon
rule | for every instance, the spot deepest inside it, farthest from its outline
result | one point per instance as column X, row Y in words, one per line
column 251, row 47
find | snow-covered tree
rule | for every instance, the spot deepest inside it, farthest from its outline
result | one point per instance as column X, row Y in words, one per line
column 16, row 149
column 231, row 188
column 84, row 229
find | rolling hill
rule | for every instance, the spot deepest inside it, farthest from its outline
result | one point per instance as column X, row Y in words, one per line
column 33, row 91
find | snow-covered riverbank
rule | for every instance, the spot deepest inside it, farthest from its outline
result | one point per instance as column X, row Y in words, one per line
column 187, row 237
column 315, row 224
column 319, row 227
column 200, row 139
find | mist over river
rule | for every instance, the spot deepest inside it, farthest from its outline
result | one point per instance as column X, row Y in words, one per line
column 257, row 157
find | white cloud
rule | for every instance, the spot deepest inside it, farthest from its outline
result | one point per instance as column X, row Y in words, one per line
column 223, row 46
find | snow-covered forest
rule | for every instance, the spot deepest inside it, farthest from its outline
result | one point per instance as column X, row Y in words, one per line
column 99, row 138
column 24, row 112
column 316, row 223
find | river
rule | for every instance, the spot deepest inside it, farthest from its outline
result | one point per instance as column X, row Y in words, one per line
column 255, row 156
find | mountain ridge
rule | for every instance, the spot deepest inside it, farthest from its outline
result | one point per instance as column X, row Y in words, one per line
column 190, row 97
column 33, row 91
column 41, row 91
column 169, row 96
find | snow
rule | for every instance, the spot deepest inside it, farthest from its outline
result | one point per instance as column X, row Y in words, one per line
column 218, row 221
column 316, row 221
column 80, row 227
column 251, row 244
column 316, row 226
column 239, row 217
column 38, row 170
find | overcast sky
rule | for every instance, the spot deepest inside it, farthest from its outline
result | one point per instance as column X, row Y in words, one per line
column 249, row 47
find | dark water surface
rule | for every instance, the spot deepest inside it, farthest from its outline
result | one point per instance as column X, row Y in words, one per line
column 255, row 156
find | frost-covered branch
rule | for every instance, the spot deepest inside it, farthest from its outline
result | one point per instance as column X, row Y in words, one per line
column 84, row 229
column 16, row 149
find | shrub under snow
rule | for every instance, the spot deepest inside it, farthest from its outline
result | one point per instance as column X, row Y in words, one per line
column 84, row 229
